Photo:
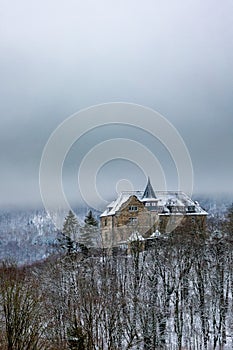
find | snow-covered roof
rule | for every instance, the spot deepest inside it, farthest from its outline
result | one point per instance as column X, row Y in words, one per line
column 135, row 236
column 165, row 199
column 155, row 234
column 149, row 199
column 114, row 206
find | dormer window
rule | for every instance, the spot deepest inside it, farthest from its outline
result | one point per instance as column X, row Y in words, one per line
column 191, row 208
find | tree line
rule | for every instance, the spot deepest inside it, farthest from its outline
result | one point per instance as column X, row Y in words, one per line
column 177, row 294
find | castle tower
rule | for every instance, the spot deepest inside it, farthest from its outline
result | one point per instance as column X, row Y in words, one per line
column 149, row 191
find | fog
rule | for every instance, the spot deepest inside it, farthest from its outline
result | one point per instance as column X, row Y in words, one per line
column 58, row 57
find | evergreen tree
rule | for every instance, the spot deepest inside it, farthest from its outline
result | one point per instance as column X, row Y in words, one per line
column 69, row 234
column 90, row 220
column 89, row 233
column 70, row 227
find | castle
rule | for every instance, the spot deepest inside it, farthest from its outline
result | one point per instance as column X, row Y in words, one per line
column 147, row 214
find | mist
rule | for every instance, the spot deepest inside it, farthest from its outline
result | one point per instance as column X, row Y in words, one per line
column 59, row 57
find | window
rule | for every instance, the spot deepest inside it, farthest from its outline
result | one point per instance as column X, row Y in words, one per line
column 133, row 208
column 105, row 222
column 191, row 208
column 151, row 204
column 173, row 209
column 133, row 221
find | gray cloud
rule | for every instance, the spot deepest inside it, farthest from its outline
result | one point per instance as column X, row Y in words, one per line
column 58, row 57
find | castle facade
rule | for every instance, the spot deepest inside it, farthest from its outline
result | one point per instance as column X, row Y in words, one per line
column 148, row 214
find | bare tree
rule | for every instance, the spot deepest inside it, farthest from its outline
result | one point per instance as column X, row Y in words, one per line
column 20, row 302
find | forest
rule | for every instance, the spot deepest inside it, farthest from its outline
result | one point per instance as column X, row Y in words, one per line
column 176, row 294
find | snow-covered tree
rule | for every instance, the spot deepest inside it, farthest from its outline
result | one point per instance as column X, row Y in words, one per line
column 228, row 227
column 71, row 226
column 90, row 232
column 90, row 219
column 69, row 235
column 21, row 309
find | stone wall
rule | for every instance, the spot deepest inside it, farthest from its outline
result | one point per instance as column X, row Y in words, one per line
column 134, row 216
column 119, row 227
column 187, row 223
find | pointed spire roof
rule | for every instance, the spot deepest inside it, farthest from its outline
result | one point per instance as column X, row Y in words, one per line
column 149, row 191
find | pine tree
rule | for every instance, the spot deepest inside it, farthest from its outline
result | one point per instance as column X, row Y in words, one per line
column 70, row 227
column 69, row 233
column 90, row 220
column 89, row 233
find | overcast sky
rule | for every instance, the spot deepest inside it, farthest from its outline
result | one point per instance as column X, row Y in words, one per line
column 57, row 57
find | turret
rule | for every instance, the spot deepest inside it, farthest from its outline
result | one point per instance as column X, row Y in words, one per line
column 149, row 191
